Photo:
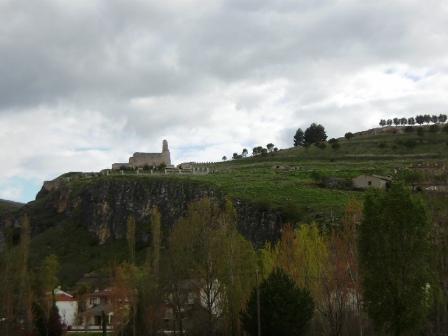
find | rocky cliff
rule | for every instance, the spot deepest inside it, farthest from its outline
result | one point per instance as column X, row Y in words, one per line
column 103, row 204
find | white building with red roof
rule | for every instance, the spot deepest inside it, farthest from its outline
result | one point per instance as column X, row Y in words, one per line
column 67, row 306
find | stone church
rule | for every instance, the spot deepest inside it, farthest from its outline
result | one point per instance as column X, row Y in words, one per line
column 142, row 160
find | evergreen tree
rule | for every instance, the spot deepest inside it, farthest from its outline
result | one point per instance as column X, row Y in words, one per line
column 285, row 309
column 299, row 138
column 394, row 248
column 434, row 119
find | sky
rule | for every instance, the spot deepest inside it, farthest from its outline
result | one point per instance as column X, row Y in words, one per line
column 86, row 83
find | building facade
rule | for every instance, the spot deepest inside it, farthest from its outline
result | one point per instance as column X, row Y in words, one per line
column 371, row 181
column 67, row 306
column 146, row 160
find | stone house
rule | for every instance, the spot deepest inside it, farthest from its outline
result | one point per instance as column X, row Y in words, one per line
column 371, row 181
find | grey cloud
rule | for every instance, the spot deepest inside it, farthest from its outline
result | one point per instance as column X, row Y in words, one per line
column 129, row 49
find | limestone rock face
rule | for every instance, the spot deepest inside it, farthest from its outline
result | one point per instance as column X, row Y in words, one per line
column 103, row 205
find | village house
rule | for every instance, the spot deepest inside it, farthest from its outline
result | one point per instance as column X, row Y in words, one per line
column 67, row 306
column 371, row 181
column 93, row 308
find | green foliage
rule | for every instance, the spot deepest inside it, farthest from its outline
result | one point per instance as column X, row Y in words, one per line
column 349, row 135
column 334, row 143
column 299, row 138
column 409, row 176
column 315, row 134
column 48, row 274
column 395, row 262
column 285, row 308
column 303, row 255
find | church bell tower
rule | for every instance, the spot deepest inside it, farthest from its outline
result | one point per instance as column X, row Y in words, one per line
column 166, row 153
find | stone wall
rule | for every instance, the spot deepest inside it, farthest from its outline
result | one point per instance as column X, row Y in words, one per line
column 140, row 160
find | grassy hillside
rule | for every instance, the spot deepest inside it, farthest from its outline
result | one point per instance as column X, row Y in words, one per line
column 289, row 179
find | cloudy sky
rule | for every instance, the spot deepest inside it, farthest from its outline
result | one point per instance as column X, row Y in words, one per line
column 86, row 83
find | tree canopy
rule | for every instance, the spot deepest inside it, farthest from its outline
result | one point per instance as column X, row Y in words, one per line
column 285, row 308
column 299, row 138
column 315, row 134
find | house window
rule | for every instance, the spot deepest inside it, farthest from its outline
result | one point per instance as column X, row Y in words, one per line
column 369, row 183
column 97, row 320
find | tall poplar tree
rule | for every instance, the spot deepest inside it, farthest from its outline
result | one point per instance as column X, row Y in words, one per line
column 394, row 249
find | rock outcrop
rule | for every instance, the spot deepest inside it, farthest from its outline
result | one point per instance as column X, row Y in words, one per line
column 103, row 204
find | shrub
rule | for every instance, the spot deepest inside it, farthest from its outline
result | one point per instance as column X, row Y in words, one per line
column 420, row 131
column 349, row 135
column 409, row 129
column 317, row 176
column 321, row 145
column 336, row 145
